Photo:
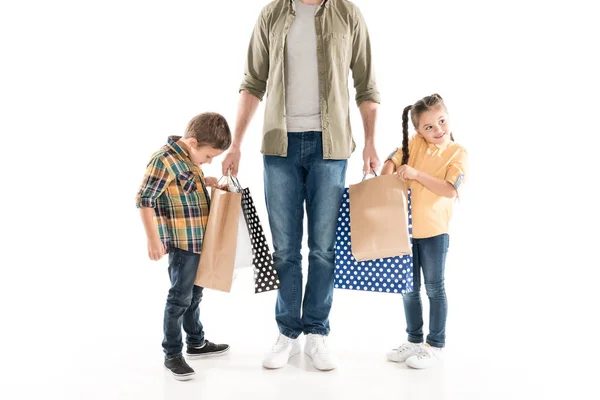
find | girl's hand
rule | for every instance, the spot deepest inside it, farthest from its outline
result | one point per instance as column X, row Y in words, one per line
column 407, row 173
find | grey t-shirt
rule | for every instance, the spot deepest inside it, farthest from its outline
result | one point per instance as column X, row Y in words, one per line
column 303, row 111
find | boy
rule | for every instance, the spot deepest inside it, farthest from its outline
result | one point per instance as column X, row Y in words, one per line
column 174, row 205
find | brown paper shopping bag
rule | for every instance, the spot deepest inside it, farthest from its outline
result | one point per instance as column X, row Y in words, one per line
column 379, row 218
column 215, row 270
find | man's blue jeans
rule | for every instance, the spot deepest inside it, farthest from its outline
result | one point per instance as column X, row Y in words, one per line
column 304, row 176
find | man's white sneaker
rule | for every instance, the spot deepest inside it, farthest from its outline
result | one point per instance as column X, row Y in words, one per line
column 403, row 352
column 279, row 355
column 316, row 348
column 426, row 357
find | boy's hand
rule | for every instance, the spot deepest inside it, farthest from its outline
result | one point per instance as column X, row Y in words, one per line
column 156, row 249
column 214, row 182
column 407, row 173
column 211, row 181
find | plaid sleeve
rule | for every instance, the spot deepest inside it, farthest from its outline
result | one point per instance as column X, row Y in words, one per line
column 155, row 181
column 457, row 169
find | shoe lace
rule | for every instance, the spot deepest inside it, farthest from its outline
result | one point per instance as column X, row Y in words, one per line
column 320, row 343
column 404, row 348
column 422, row 352
column 282, row 341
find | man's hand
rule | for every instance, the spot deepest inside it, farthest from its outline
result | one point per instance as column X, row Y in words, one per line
column 371, row 160
column 231, row 163
column 156, row 249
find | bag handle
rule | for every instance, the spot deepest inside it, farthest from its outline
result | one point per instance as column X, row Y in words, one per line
column 236, row 183
column 373, row 172
column 233, row 180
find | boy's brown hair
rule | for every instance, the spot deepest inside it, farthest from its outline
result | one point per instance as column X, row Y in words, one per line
column 209, row 129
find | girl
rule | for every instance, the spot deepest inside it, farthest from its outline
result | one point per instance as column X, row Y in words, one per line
column 434, row 167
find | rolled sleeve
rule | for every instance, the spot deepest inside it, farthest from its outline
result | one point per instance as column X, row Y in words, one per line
column 257, row 61
column 361, row 63
column 396, row 157
column 457, row 170
column 155, row 181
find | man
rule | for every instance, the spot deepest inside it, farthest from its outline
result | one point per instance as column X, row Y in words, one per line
column 301, row 53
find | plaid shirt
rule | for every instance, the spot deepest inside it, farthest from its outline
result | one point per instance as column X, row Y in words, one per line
column 175, row 188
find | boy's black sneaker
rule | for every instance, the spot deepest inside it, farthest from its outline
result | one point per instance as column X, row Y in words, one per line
column 209, row 349
column 179, row 368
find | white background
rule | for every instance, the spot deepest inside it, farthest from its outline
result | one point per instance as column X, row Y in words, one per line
column 89, row 90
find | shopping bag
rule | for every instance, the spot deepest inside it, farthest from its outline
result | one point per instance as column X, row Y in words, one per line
column 265, row 275
column 243, row 254
column 379, row 214
column 386, row 274
column 215, row 270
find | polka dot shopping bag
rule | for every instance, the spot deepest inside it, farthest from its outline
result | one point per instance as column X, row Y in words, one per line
column 265, row 275
column 384, row 275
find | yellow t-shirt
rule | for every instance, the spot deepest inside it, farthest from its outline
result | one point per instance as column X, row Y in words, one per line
column 431, row 213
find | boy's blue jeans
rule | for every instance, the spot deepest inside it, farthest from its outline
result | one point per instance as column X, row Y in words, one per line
column 182, row 303
column 429, row 255
column 304, row 176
